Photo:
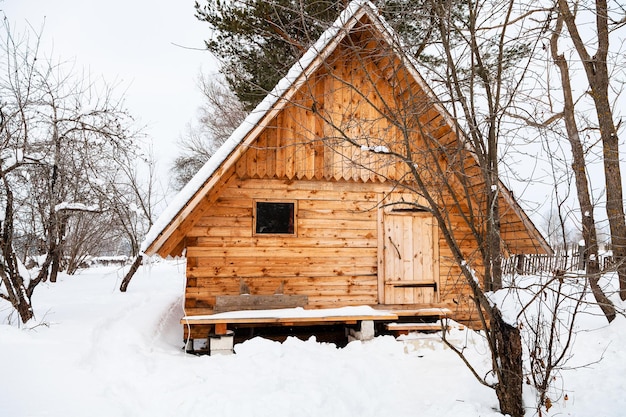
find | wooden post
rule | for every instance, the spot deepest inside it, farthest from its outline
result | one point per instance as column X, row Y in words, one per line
column 520, row 265
column 582, row 255
column 221, row 328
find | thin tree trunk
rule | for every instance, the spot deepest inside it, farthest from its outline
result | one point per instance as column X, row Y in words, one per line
column 54, row 220
column 56, row 265
column 590, row 251
column 598, row 77
column 131, row 272
column 57, row 251
column 18, row 295
column 43, row 274
column 603, row 301
column 614, row 196
column 493, row 260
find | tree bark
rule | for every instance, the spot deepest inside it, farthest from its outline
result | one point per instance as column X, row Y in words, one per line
column 598, row 77
column 18, row 295
column 493, row 260
column 131, row 272
column 57, row 248
column 580, row 175
column 510, row 372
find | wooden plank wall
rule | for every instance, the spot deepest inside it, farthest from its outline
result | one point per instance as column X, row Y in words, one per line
column 301, row 157
column 332, row 260
column 301, row 143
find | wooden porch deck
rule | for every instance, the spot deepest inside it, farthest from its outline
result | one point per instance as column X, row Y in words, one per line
column 439, row 310
column 289, row 317
column 219, row 322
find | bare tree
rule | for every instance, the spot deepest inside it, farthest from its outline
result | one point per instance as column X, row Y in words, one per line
column 579, row 168
column 58, row 134
column 597, row 71
column 131, row 192
column 88, row 130
column 484, row 67
column 549, row 334
column 218, row 116
column 19, row 77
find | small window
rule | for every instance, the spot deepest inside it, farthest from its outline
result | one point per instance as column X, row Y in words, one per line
column 274, row 218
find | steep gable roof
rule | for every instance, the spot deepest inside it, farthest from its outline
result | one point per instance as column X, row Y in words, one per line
column 195, row 191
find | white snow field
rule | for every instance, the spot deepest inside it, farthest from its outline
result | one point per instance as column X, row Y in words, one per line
column 94, row 351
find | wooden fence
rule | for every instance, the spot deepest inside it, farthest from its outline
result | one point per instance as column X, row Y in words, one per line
column 564, row 259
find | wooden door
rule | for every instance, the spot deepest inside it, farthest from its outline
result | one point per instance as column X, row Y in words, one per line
column 411, row 258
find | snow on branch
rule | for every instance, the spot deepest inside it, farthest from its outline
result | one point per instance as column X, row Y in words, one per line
column 375, row 149
column 65, row 206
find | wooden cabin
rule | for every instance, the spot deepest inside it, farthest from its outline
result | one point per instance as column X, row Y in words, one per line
column 309, row 205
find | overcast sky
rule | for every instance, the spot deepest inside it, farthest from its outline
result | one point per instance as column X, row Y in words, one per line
column 154, row 50
column 133, row 43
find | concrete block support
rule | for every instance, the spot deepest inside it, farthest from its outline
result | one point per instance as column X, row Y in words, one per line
column 221, row 344
column 365, row 332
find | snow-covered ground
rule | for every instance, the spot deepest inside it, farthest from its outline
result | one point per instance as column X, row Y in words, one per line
column 98, row 352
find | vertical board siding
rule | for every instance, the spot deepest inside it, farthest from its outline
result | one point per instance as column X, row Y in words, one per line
column 307, row 139
column 410, row 257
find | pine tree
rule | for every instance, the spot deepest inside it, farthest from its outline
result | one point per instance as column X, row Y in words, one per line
column 258, row 40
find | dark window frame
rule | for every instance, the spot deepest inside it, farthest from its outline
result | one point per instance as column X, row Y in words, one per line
column 291, row 227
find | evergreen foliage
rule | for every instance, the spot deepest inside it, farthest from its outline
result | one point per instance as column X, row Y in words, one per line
column 258, row 41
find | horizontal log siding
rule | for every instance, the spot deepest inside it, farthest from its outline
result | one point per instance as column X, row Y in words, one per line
column 332, row 260
column 454, row 291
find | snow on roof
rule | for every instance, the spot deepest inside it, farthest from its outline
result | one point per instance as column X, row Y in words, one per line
column 236, row 138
